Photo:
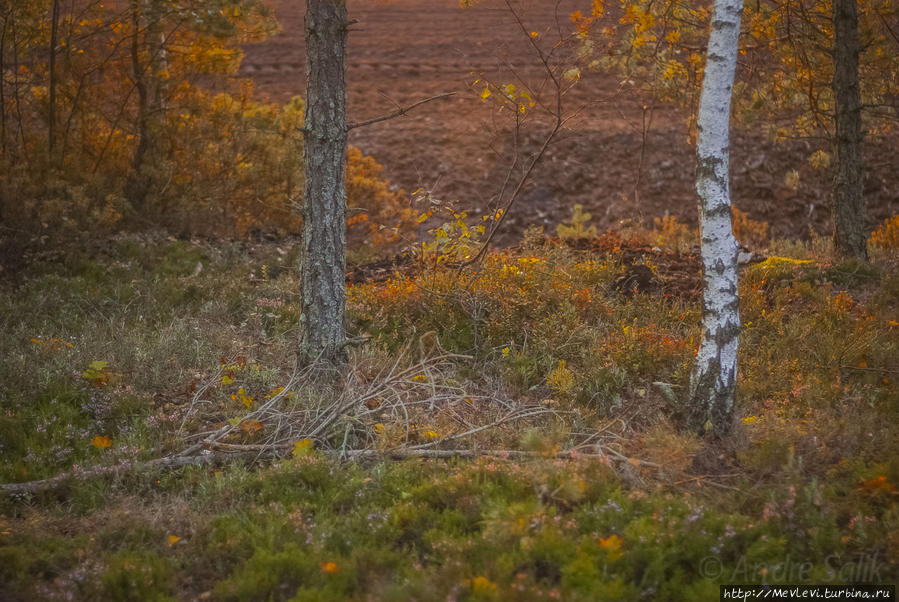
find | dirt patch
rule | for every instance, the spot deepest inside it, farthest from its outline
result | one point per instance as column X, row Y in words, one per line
column 459, row 148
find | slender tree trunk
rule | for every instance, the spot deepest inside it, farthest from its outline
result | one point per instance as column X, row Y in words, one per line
column 323, row 260
column 138, row 186
column 847, row 203
column 54, row 31
column 15, row 87
column 3, row 84
column 713, row 382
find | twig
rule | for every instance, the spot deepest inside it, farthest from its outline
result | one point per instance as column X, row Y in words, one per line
column 699, row 480
column 398, row 113
column 558, row 122
column 866, row 369
column 504, row 419
column 167, row 462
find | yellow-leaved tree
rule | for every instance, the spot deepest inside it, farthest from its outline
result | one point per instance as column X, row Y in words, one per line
column 823, row 70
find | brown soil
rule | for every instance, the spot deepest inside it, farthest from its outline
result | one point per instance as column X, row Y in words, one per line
column 401, row 51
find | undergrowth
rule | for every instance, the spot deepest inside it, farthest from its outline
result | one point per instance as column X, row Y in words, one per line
column 134, row 348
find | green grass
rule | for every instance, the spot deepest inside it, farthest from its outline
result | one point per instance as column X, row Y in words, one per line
column 805, row 491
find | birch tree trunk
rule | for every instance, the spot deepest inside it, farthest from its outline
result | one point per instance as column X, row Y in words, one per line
column 847, row 203
column 713, row 382
column 323, row 258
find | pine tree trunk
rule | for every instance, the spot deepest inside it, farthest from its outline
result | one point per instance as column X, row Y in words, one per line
column 847, row 203
column 713, row 382
column 323, row 260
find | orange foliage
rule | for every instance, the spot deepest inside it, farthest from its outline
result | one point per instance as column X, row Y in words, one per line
column 376, row 213
column 748, row 231
column 886, row 237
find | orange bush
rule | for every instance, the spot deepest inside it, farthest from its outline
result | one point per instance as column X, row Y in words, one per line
column 376, row 214
column 886, row 237
column 748, row 231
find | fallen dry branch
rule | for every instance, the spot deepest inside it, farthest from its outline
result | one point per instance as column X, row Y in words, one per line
column 372, row 410
column 118, row 469
column 226, row 452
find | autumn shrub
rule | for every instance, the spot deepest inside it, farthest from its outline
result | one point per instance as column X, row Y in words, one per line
column 549, row 319
column 673, row 236
column 749, row 232
column 885, row 239
column 233, row 166
column 158, row 149
column 377, row 214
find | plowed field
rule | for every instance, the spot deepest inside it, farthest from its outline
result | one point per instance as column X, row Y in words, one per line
column 404, row 50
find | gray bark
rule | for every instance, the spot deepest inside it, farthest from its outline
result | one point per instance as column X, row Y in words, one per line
column 323, row 259
column 847, row 202
column 714, row 377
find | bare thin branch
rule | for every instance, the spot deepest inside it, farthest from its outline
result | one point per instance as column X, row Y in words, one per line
column 398, row 113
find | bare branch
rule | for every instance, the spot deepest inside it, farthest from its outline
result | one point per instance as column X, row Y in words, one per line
column 398, row 113
column 227, row 452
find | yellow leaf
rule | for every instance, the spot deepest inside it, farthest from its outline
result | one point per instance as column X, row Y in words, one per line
column 329, row 567
column 534, row 34
column 273, row 392
column 634, row 461
column 611, row 543
column 101, row 442
column 482, row 584
column 485, row 94
column 173, row 539
column 303, row 447
column 378, row 428
column 244, row 398
column 227, row 380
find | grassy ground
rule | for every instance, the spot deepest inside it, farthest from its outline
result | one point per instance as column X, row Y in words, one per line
column 138, row 347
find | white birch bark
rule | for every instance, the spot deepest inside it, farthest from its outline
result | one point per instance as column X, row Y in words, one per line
column 713, row 382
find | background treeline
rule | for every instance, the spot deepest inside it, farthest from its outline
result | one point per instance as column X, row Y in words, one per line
column 130, row 115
